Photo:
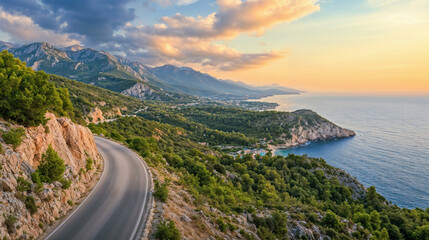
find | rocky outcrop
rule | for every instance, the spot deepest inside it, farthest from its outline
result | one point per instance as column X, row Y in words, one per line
column 311, row 127
column 139, row 91
column 75, row 145
column 96, row 115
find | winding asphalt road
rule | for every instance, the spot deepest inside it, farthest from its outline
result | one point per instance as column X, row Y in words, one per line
column 119, row 204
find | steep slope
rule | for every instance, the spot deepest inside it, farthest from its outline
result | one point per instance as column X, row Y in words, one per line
column 27, row 210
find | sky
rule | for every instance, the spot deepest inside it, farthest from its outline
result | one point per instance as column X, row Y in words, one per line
column 343, row 46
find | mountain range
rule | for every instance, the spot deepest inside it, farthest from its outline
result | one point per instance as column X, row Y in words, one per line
column 133, row 78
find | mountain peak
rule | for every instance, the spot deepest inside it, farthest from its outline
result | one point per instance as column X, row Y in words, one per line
column 74, row 48
column 39, row 44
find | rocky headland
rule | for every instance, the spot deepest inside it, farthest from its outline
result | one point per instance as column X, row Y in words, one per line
column 311, row 128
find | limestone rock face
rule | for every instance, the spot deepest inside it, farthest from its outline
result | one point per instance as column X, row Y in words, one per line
column 96, row 115
column 139, row 91
column 318, row 129
column 74, row 144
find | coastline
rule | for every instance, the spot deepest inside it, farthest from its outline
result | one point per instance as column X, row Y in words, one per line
column 275, row 148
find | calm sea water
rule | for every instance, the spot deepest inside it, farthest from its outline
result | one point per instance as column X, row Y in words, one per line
column 391, row 149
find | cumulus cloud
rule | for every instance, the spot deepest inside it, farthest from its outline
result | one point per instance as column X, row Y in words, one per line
column 23, row 28
column 175, row 39
column 96, row 20
column 190, row 39
column 235, row 17
column 160, row 49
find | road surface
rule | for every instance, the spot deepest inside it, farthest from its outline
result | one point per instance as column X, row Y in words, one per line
column 119, row 204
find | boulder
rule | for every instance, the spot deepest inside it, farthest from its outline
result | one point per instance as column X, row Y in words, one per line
column 186, row 219
column 7, row 185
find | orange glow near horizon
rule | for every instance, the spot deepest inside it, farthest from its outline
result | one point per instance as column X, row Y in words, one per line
column 383, row 53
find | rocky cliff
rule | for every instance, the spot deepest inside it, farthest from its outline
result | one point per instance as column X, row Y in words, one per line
column 311, row 128
column 139, row 91
column 75, row 145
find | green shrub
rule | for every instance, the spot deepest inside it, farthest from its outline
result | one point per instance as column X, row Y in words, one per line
column 14, row 137
column 1, row 149
column 30, row 204
column 422, row 232
column 47, row 130
column 232, row 227
column 161, row 191
column 66, row 183
column 35, row 177
column 10, row 221
column 221, row 224
column 52, row 167
column 69, row 202
column 23, row 185
column 89, row 163
column 331, row 220
column 166, row 230
column 220, row 168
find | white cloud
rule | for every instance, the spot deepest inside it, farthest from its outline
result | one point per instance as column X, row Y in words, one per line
column 190, row 40
column 22, row 28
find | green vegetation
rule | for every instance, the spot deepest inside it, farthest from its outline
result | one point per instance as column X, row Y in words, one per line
column 23, row 185
column 65, row 183
column 85, row 97
column 1, row 149
column 233, row 126
column 89, row 164
column 272, row 183
column 14, row 136
column 198, row 132
column 161, row 191
column 51, row 168
column 26, row 95
column 30, row 204
column 10, row 221
column 35, row 177
column 331, row 220
column 166, row 230
column 273, row 227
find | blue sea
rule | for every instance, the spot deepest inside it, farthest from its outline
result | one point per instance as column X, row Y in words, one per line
column 390, row 150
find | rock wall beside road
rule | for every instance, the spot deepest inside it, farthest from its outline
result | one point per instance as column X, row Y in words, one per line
column 74, row 144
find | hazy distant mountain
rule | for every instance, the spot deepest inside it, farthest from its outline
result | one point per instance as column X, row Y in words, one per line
column 190, row 81
column 130, row 77
column 6, row 45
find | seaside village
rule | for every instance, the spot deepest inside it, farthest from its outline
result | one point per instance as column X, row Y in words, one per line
column 252, row 152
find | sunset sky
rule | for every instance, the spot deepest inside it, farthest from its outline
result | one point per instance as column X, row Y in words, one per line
column 366, row 46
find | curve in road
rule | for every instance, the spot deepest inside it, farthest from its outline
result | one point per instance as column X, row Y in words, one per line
column 118, row 206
